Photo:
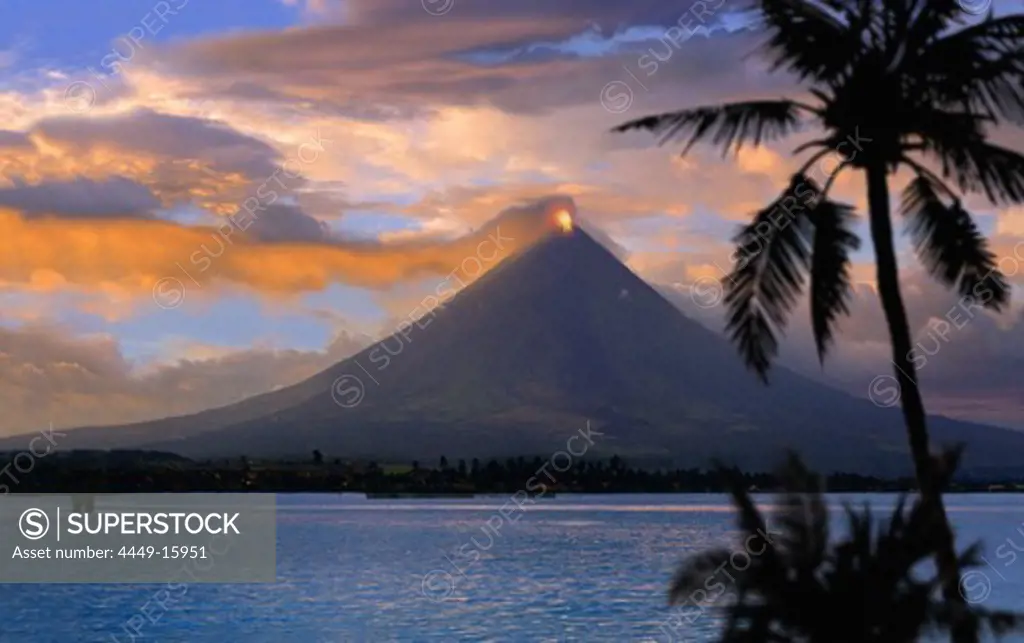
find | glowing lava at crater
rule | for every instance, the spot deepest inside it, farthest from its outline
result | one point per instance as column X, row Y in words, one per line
column 564, row 220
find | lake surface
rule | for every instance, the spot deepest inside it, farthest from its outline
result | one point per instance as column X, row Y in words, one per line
column 571, row 568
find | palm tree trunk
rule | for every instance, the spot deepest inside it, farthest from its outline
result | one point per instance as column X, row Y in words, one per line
column 906, row 377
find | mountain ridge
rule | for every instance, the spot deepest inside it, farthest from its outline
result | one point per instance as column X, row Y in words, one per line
column 557, row 334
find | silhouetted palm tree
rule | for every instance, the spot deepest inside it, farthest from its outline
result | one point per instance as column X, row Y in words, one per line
column 790, row 584
column 895, row 84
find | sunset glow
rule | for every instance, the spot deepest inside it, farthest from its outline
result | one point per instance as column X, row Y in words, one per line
column 224, row 203
column 564, row 220
column 330, row 249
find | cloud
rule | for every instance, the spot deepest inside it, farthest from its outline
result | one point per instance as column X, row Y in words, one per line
column 10, row 140
column 287, row 223
column 51, row 375
column 327, row 65
column 650, row 12
column 601, row 205
column 438, row 121
column 139, row 255
column 179, row 160
column 161, row 135
column 494, row 54
column 964, row 355
column 316, row 8
column 113, row 197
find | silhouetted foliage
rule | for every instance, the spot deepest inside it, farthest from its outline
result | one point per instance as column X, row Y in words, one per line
column 318, row 458
column 615, row 463
column 795, row 585
column 884, row 91
column 121, row 472
column 896, row 84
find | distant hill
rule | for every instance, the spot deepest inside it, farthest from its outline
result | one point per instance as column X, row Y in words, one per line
column 97, row 458
column 559, row 334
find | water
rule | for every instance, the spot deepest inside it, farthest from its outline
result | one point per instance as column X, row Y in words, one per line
column 572, row 568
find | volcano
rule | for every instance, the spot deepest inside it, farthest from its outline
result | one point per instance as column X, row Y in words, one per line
column 558, row 335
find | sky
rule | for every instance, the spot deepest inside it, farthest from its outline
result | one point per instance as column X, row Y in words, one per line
column 201, row 201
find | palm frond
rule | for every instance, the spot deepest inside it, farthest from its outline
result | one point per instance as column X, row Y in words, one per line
column 762, row 287
column 951, row 247
column 945, row 464
column 830, row 269
column 980, row 167
column 979, row 68
column 932, row 20
column 694, row 572
column 1000, row 622
column 730, row 126
column 866, row 587
column 751, row 522
column 809, row 40
column 802, row 515
column 950, row 129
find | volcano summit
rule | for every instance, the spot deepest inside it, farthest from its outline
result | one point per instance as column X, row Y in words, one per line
column 558, row 334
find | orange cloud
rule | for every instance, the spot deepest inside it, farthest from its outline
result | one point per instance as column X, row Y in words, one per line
column 139, row 255
column 180, row 160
